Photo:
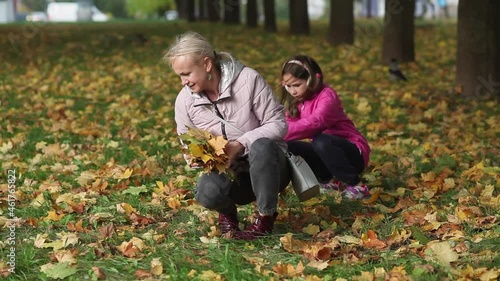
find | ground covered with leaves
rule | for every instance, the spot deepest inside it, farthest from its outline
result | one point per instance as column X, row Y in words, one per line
column 94, row 185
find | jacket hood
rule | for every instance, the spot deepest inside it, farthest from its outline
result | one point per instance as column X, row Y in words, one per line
column 230, row 69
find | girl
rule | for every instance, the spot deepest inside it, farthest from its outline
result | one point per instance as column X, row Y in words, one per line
column 337, row 152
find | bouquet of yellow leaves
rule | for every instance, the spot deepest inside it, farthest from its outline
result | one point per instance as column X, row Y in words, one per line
column 204, row 150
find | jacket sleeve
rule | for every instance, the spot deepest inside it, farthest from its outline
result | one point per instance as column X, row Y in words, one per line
column 327, row 112
column 268, row 110
column 182, row 119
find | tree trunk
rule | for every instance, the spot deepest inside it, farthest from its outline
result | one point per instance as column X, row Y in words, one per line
column 232, row 11
column 202, row 10
column 341, row 29
column 252, row 13
column 189, row 6
column 214, row 10
column 181, row 9
column 269, row 16
column 299, row 18
column 478, row 48
column 399, row 41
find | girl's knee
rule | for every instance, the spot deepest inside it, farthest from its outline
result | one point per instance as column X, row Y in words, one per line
column 321, row 143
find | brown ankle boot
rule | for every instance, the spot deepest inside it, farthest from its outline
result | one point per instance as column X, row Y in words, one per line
column 262, row 226
column 228, row 223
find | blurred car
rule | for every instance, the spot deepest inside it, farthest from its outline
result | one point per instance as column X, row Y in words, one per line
column 171, row 15
column 21, row 16
column 37, row 16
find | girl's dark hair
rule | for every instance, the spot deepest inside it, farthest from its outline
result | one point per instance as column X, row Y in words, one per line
column 302, row 67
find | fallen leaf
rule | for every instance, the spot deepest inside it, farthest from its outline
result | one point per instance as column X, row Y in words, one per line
column 442, row 252
column 58, row 270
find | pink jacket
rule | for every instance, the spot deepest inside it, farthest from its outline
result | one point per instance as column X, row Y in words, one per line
column 323, row 113
column 246, row 102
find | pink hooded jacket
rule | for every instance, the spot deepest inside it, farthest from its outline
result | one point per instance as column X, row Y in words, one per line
column 323, row 113
column 246, row 102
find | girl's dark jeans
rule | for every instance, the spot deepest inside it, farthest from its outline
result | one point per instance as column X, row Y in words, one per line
column 331, row 156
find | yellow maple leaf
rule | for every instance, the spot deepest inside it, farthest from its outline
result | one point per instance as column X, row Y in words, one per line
column 53, row 216
column 218, row 143
column 156, row 267
column 442, row 252
column 125, row 208
column 311, row 229
column 173, row 202
column 126, row 174
column 205, row 158
column 209, row 275
column 293, row 245
column 319, row 265
column 65, row 256
column 196, row 150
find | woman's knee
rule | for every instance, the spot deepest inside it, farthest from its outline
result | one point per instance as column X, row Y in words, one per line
column 262, row 147
column 212, row 190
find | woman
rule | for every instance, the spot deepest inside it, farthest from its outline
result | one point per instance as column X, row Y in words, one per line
column 217, row 86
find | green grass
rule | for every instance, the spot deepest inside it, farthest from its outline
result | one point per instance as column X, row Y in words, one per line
column 102, row 102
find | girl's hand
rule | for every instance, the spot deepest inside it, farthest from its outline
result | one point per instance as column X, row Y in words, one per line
column 234, row 150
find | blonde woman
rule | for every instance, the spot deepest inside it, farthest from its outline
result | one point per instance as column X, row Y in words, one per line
column 226, row 98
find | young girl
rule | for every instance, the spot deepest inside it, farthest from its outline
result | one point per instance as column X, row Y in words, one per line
column 336, row 151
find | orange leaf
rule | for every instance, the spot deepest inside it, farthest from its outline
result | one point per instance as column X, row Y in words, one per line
column 99, row 273
column 78, row 227
column 141, row 273
column 371, row 241
column 140, row 220
column 128, row 249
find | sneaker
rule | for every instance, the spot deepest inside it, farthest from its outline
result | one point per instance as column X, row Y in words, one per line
column 357, row 192
column 331, row 185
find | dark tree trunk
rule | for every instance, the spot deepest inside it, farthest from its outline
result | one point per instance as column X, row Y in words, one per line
column 369, row 8
column 252, row 14
column 478, row 48
column 269, row 16
column 341, row 29
column 214, row 10
column 181, row 9
column 232, row 11
column 399, row 41
column 202, row 9
column 189, row 6
column 299, row 18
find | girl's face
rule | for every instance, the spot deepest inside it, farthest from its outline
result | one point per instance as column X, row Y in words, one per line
column 296, row 87
column 192, row 74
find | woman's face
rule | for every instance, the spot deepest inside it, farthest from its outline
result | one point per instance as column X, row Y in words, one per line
column 192, row 73
column 295, row 86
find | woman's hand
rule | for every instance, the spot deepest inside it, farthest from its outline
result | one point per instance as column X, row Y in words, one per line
column 233, row 150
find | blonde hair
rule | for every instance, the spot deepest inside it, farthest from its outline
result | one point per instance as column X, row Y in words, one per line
column 192, row 44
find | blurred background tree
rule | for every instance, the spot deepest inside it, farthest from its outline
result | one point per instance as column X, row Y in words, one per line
column 148, row 9
column 35, row 5
column 114, row 7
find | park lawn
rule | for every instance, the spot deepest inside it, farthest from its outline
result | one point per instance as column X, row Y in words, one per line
column 102, row 191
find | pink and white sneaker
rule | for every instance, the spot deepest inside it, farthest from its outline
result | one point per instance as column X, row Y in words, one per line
column 357, row 192
column 331, row 185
